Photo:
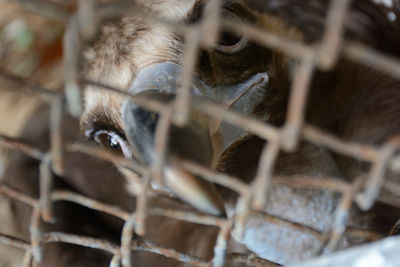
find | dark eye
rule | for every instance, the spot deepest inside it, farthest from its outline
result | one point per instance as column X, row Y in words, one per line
column 230, row 43
column 228, row 39
column 112, row 141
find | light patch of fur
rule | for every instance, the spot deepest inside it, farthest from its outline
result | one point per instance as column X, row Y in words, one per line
column 154, row 46
column 131, row 44
column 107, row 101
column 148, row 45
column 117, row 76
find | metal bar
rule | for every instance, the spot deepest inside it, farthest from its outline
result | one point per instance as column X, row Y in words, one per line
column 72, row 46
column 221, row 245
column 141, row 206
column 24, row 147
column 100, row 153
column 352, row 149
column 148, row 103
column 188, row 216
column 45, row 185
column 286, row 223
column 126, row 239
column 170, row 253
column 210, row 24
column 161, row 144
column 183, row 98
column 27, row 260
column 293, row 48
column 370, row 57
column 56, row 135
column 333, row 34
column 264, row 174
column 297, row 102
column 242, row 211
column 341, row 216
column 366, row 199
column 15, row 242
column 89, row 203
column 212, row 176
column 36, row 233
column 254, row 126
column 115, row 261
column 14, row 194
column 84, row 241
column 87, row 19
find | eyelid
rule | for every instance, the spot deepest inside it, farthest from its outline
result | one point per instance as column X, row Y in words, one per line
column 90, row 134
column 94, row 125
column 240, row 45
column 93, row 134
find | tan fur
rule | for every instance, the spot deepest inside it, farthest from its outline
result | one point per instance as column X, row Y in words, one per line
column 128, row 46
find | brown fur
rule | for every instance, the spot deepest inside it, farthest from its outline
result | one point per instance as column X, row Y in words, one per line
column 354, row 102
column 343, row 101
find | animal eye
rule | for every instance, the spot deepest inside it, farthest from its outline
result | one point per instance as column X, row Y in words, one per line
column 228, row 39
column 113, row 141
column 230, row 43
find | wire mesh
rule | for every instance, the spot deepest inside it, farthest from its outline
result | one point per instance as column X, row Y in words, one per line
column 83, row 24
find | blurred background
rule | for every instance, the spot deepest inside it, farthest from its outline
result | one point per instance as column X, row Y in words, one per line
column 31, row 47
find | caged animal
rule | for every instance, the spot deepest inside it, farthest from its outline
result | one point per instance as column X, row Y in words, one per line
column 354, row 102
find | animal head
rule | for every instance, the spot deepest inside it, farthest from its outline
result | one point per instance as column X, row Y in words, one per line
column 146, row 59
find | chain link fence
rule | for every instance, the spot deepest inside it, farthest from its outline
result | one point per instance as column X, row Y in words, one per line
column 82, row 25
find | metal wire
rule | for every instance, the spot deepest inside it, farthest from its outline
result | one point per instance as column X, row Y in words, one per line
column 82, row 26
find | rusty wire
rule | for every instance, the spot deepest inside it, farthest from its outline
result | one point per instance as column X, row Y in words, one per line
column 82, row 27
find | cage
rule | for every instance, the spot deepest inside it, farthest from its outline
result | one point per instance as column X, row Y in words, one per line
column 311, row 44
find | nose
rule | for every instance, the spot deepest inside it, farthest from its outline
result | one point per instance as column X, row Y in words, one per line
column 190, row 142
